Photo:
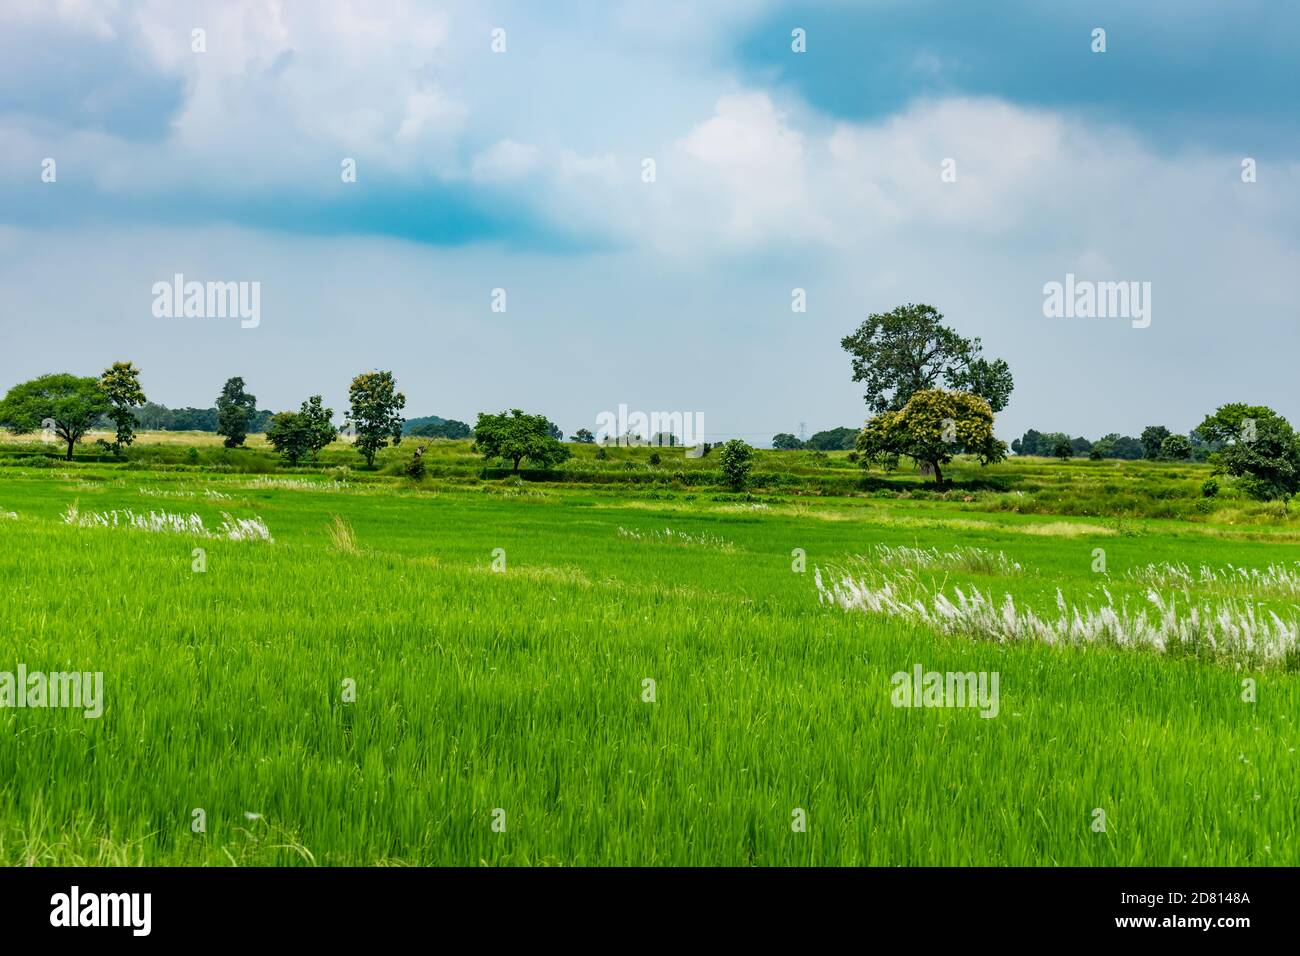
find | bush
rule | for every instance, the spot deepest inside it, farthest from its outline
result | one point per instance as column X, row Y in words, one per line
column 737, row 459
column 1210, row 488
column 654, row 458
column 415, row 467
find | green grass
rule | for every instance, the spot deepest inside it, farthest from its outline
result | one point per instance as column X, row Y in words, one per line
column 522, row 690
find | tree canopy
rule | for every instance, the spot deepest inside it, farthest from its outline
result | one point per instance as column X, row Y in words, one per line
column 235, row 409
column 737, row 458
column 68, row 403
column 909, row 350
column 931, row 428
column 375, row 415
column 1264, row 457
column 515, row 436
column 121, row 386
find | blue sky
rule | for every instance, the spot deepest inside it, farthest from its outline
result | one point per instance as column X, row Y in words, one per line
column 523, row 170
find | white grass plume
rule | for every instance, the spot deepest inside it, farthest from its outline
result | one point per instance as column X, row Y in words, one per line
column 669, row 536
column 1234, row 631
column 1276, row 579
column 166, row 522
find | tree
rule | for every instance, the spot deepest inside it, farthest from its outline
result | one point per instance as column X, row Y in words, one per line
column 583, row 436
column 70, row 404
column 1121, row 446
column 1233, row 422
column 833, row 439
column 1267, row 465
column 1176, row 448
column 1062, row 449
column 514, row 436
column 909, row 350
column 737, row 459
column 1153, row 437
column 555, row 431
column 318, row 421
column 291, row 435
column 1080, row 445
column 121, row 385
column 786, row 442
column 449, row 429
column 376, row 413
column 235, row 409
column 931, row 428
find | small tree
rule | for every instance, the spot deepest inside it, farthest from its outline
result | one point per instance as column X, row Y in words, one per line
column 319, row 424
column 121, row 385
column 1176, row 448
column 784, row 441
column 235, row 408
column 376, row 413
column 514, row 436
column 1153, row 436
column 1267, row 465
column 415, row 467
column 291, row 435
column 583, row 436
column 737, row 459
column 1063, row 449
column 931, row 428
column 69, row 404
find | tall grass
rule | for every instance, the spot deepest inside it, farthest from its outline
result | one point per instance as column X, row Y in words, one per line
column 524, row 690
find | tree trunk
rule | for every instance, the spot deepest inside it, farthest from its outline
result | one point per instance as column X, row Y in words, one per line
column 938, row 474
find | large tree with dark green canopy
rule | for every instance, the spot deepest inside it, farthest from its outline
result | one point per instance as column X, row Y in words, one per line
column 66, row 404
column 909, row 350
column 515, row 436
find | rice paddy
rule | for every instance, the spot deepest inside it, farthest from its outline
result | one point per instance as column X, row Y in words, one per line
column 477, row 671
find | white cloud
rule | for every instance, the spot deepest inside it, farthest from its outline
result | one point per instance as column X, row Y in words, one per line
column 505, row 160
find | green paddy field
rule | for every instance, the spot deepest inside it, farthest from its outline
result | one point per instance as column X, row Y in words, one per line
column 458, row 670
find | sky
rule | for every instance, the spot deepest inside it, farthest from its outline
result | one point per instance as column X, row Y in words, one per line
column 955, row 154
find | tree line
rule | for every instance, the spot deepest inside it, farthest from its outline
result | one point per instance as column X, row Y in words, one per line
column 1157, row 443
column 69, row 406
column 932, row 392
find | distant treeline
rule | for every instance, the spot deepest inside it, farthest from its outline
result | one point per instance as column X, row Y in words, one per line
column 154, row 417
column 1156, row 443
column 431, row 426
column 833, row 439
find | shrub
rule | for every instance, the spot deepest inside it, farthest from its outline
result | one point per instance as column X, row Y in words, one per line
column 415, row 467
column 737, row 459
column 1210, row 488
